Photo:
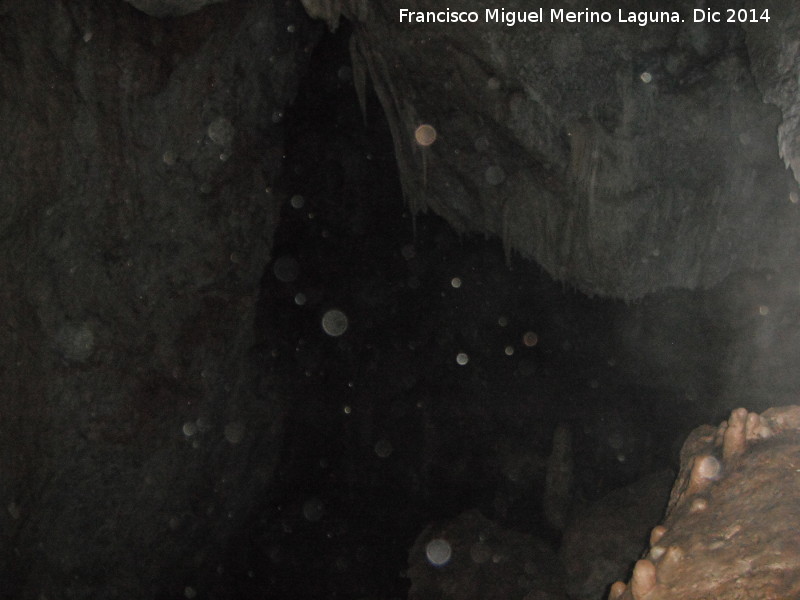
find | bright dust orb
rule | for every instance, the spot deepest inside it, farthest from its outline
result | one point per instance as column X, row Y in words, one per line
column 425, row 135
column 438, row 552
column 334, row 322
column 530, row 339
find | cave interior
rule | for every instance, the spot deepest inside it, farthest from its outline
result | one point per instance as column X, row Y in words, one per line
column 457, row 367
column 279, row 349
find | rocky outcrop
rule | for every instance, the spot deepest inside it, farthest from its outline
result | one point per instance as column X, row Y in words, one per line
column 732, row 519
column 774, row 53
column 622, row 159
column 729, row 530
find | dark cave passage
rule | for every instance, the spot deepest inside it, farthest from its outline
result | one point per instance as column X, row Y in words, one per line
column 456, row 367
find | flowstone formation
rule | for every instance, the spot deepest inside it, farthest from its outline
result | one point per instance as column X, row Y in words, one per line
column 731, row 525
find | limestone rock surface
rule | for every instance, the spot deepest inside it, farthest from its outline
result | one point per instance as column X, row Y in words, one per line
column 731, row 525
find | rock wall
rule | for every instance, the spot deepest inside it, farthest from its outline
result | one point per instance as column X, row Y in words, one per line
column 135, row 222
column 774, row 52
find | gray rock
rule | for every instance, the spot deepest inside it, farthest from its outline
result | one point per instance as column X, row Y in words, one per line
column 624, row 160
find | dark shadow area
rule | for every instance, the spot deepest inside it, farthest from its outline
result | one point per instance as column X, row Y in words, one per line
column 444, row 390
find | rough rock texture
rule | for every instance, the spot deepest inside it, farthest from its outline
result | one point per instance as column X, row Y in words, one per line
column 623, row 159
column 732, row 520
column 472, row 558
column 135, row 224
column 774, row 53
column 604, row 540
column 729, row 531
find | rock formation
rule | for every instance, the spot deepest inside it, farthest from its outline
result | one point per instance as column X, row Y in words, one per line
column 731, row 525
